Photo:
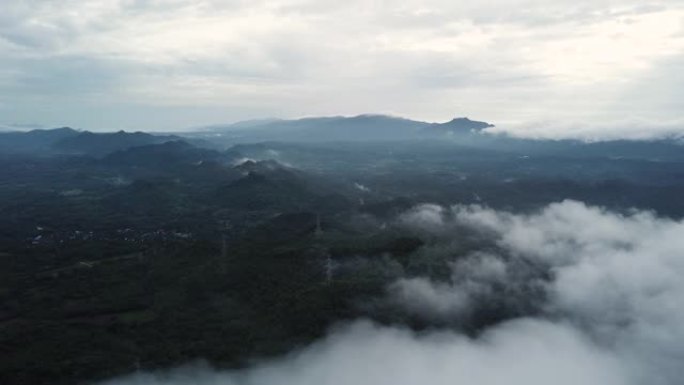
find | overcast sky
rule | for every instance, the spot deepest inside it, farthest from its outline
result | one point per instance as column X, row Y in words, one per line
column 171, row 64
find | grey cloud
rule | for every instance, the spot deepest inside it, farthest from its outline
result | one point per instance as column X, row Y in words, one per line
column 46, row 25
column 49, row 77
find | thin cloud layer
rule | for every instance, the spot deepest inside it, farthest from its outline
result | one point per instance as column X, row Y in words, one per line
column 611, row 312
column 107, row 64
column 523, row 352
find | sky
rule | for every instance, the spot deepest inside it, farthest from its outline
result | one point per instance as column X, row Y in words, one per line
column 537, row 67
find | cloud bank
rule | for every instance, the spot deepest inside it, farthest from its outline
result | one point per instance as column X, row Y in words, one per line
column 610, row 313
column 594, row 131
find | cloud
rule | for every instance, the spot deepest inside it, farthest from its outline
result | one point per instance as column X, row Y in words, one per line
column 432, row 300
column 482, row 289
column 425, row 217
column 588, row 131
column 522, row 352
column 361, row 187
column 611, row 312
column 617, row 277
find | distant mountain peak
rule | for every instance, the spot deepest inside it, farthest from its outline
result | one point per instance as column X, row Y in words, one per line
column 465, row 122
column 460, row 125
column 54, row 130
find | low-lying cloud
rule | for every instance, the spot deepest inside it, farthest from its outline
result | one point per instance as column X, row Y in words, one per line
column 655, row 129
column 525, row 351
column 609, row 309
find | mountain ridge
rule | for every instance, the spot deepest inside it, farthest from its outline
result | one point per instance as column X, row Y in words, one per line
column 364, row 127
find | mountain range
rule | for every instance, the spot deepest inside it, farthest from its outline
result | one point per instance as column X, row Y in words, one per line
column 357, row 128
column 66, row 140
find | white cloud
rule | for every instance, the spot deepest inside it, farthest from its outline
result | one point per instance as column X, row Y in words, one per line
column 593, row 131
column 524, row 352
column 425, row 217
column 618, row 276
column 423, row 298
column 611, row 314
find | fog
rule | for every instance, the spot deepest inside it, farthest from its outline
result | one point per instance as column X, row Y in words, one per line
column 605, row 290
